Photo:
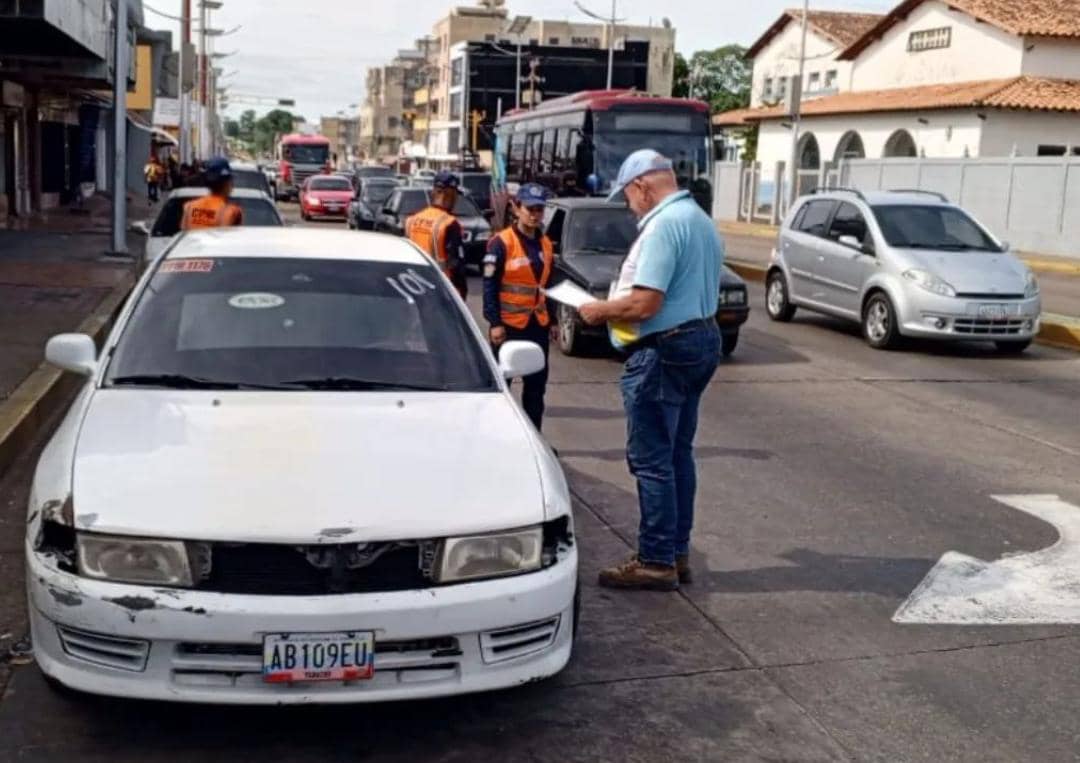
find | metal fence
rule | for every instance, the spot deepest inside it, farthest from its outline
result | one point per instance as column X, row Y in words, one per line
column 1033, row 203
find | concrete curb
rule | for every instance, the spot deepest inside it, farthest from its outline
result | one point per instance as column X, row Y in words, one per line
column 47, row 390
column 1056, row 330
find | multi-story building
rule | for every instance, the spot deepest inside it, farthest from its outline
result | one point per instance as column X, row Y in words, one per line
column 344, row 135
column 387, row 114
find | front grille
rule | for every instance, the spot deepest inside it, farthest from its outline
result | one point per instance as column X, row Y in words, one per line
column 277, row 570
column 411, row 661
column 109, row 651
column 508, row 643
column 990, row 297
column 979, row 327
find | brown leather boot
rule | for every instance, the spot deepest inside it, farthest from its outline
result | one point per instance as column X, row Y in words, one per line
column 639, row 575
column 682, row 566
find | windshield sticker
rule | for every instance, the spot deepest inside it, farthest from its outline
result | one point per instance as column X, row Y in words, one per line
column 186, row 266
column 256, row 301
column 410, row 283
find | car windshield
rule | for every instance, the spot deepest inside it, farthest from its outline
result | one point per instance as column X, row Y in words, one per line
column 292, row 324
column 307, row 154
column 911, row 226
column 257, row 212
column 466, row 207
column 377, row 193
column 601, row 230
column 330, row 184
column 478, row 185
column 253, row 179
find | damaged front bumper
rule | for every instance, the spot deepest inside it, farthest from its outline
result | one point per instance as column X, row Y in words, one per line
column 199, row 646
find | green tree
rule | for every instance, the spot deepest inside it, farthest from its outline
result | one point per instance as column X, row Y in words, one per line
column 720, row 77
column 269, row 126
column 680, row 84
column 247, row 126
column 232, row 128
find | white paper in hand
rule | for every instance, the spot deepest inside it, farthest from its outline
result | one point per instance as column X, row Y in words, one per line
column 569, row 294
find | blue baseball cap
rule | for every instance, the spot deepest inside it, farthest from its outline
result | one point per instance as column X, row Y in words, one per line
column 639, row 163
column 532, row 195
column 217, row 169
column 445, row 179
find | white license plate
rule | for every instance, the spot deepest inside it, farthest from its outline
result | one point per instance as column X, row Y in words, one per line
column 302, row 657
column 996, row 312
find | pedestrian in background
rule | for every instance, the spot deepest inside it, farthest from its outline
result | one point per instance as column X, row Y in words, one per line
column 154, row 172
column 517, row 266
column 662, row 314
column 437, row 231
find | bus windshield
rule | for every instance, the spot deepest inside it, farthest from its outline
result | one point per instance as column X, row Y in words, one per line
column 679, row 137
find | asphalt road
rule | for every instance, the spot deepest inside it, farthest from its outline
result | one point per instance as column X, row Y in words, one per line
column 832, row 479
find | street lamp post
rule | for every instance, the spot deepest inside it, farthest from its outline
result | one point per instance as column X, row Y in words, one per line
column 796, row 112
column 612, row 21
column 120, row 76
column 517, row 27
column 185, row 121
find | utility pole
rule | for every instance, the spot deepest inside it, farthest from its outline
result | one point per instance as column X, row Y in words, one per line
column 185, row 121
column 120, row 77
column 796, row 112
column 533, row 79
column 611, row 21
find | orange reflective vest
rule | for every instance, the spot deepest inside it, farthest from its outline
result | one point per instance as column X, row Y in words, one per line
column 210, row 212
column 427, row 229
column 519, row 294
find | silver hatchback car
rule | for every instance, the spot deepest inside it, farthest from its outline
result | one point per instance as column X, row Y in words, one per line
column 901, row 263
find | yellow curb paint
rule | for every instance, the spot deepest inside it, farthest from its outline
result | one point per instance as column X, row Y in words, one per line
column 1060, row 331
column 1043, row 265
column 32, row 404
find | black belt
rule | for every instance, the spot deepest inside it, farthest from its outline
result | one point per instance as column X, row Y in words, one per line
column 654, row 339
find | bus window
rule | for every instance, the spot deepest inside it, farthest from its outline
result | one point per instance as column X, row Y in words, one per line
column 516, row 164
column 547, row 158
column 532, row 155
column 564, row 158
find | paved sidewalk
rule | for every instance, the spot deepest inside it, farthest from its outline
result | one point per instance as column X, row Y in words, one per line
column 53, row 275
column 1059, row 277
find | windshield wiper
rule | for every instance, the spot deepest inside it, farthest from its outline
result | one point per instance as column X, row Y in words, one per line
column 356, row 384
column 182, row 381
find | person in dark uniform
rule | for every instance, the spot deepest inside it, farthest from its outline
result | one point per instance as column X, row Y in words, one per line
column 517, row 266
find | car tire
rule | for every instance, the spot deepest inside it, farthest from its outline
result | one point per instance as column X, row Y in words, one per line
column 879, row 322
column 777, row 300
column 728, row 342
column 570, row 339
column 1012, row 347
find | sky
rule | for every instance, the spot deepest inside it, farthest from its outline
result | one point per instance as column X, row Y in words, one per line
column 317, row 51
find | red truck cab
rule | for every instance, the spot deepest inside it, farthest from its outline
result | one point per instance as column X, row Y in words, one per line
column 299, row 158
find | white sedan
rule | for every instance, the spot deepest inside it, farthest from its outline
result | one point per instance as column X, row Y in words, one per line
column 296, row 474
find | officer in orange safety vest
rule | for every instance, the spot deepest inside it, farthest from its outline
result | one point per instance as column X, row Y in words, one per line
column 435, row 230
column 518, row 264
column 214, row 210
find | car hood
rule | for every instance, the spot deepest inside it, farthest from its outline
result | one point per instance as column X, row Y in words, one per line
column 597, row 270
column 304, row 467
column 974, row 272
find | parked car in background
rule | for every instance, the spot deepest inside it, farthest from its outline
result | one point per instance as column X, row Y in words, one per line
column 325, row 196
column 259, row 211
column 365, row 171
column 591, row 238
column 405, row 202
column 181, row 547
column 368, row 201
column 902, row 264
column 251, row 176
column 478, row 186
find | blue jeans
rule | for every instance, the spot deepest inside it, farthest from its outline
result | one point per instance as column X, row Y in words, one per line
column 662, row 388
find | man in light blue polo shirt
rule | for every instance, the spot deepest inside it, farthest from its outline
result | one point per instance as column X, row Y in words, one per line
column 662, row 311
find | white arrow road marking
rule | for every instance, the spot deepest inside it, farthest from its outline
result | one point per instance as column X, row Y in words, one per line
column 1040, row 588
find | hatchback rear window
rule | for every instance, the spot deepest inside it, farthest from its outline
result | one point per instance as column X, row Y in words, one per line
column 330, row 184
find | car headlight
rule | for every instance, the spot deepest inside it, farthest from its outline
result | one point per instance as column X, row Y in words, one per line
column 930, row 282
column 1031, row 286
column 133, row 560
column 314, row 202
column 482, row 235
column 466, row 236
column 733, row 297
column 491, row 555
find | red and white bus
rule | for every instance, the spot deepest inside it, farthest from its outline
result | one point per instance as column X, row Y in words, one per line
column 575, row 145
column 299, row 157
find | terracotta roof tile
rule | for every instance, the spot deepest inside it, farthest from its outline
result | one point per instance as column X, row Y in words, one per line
column 841, row 27
column 1049, row 18
column 1027, row 93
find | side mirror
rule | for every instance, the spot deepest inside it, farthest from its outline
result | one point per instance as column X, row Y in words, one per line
column 1006, row 246
column 72, row 352
column 518, row 359
column 853, row 243
column 140, row 226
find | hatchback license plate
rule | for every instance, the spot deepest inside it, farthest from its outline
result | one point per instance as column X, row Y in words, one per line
column 297, row 657
column 995, row 312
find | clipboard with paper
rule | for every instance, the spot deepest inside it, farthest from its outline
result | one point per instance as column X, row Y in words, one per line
column 570, row 294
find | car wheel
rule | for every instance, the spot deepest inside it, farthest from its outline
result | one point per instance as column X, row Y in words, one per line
column 1011, row 347
column 777, row 303
column 728, row 343
column 569, row 333
column 879, row 323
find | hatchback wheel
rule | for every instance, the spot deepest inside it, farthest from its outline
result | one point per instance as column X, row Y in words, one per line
column 879, row 323
column 777, row 302
column 569, row 333
column 1009, row 347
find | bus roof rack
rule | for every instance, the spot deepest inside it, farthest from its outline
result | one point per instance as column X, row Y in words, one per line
column 853, row 191
column 936, row 194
